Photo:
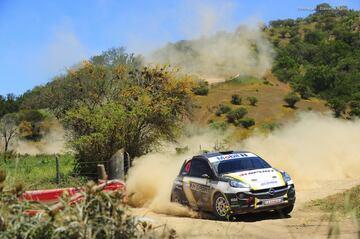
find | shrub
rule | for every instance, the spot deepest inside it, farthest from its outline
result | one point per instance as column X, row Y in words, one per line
column 252, row 100
column 354, row 104
column 291, row 99
column 303, row 90
column 201, row 88
column 235, row 99
column 222, row 109
column 246, row 122
column 271, row 126
column 97, row 215
column 355, row 112
column 235, row 115
column 222, row 126
column 338, row 106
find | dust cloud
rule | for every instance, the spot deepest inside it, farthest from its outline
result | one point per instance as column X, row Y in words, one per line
column 150, row 179
column 218, row 47
column 312, row 148
column 52, row 143
column 222, row 55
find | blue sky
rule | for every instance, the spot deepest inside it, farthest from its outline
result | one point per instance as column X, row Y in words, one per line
column 41, row 38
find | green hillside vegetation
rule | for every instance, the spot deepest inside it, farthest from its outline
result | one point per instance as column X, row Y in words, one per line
column 319, row 56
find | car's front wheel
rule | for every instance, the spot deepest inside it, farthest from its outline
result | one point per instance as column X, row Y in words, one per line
column 286, row 210
column 221, row 207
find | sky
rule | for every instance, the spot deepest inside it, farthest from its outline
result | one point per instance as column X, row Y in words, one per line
column 40, row 39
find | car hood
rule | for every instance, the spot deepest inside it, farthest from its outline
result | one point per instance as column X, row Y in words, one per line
column 259, row 178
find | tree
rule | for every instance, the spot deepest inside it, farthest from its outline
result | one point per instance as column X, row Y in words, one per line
column 8, row 104
column 291, row 99
column 32, row 125
column 9, row 129
column 235, row 115
column 252, row 100
column 149, row 106
column 338, row 106
column 319, row 78
column 303, row 90
column 117, row 56
column 235, row 99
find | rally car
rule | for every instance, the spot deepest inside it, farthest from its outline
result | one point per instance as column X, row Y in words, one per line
column 233, row 182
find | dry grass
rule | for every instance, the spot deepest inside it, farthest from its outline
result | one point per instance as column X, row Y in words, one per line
column 269, row 109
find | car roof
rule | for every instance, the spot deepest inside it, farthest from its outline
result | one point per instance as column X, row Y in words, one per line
column 213, row 155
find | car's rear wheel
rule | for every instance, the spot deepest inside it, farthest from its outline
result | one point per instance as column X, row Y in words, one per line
column 221, row 207
column 286, row 210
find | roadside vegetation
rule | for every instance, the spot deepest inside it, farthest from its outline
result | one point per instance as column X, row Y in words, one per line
column 107, row 103
column 98, row 215
column 319, row 56
column 346, row 203
column 339, row 206
column 39, row 172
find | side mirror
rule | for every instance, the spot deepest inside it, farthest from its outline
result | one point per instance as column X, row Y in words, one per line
column 205, row 175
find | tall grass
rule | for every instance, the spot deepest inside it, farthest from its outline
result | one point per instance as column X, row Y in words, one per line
column 346, row 204
column 39, row 172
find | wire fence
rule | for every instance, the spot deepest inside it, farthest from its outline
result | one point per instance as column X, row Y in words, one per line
column 115, row 168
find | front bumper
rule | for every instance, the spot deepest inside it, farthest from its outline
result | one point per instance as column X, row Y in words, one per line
column 262, row 200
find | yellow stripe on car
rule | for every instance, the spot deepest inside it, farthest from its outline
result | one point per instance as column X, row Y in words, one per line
column 281, row 178
column 233, row 175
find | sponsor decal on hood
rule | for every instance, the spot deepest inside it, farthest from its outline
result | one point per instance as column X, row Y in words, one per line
column 259, row 178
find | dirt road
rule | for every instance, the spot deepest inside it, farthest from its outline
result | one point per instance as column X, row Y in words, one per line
column 303, row 223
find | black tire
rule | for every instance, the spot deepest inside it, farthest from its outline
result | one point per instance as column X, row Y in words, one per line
column 286, row 210
column 175, row 198
column 221, row 207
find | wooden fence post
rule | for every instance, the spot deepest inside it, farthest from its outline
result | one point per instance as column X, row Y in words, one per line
column 57, row 169
column 101, row 172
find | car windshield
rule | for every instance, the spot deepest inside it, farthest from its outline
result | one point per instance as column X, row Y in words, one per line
column 240, row 164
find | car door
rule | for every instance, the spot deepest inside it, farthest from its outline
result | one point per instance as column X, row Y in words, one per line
column 197, row 184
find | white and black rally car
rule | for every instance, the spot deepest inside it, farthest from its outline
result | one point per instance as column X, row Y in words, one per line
column 233, row 182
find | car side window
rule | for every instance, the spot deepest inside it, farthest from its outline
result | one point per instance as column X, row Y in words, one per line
column 186, row 169
column 198, row 168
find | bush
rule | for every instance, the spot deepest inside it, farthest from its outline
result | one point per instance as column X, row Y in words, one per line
column 303, row 90
column 235, row 115
column 252, row 100
column 291, row 99
column 97, row 215
column 222, row 126
column 355, row 112
column 201, row 88
column 338, row 106
column 222, row 109
column 271, row 126
column 246, row 122
column 235, row 99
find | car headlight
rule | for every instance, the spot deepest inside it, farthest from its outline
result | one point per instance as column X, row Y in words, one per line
column 238, row 184
column 286, row 177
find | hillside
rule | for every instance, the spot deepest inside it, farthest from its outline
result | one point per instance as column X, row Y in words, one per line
column 269, row 112
column 319, row 56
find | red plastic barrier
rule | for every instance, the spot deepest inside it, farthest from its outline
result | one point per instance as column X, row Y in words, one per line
column 53, row 195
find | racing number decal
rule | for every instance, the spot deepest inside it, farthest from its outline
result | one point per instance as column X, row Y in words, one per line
column 188, row 193
column 201, row 192
column 196, row 187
